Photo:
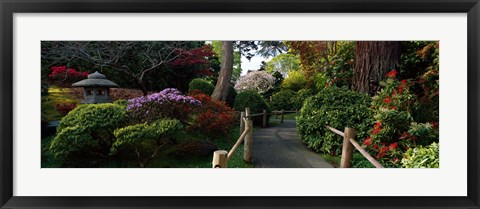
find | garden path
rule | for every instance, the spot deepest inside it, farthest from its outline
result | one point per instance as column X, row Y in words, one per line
column 281, row 147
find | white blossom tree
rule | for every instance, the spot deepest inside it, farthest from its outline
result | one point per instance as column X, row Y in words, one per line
column 260, row 81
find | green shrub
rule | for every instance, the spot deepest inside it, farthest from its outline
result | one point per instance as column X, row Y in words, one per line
column 295, row 81
column 253, row 100
column 283, row 100
column 121, row 102
column 232, row 94
column 86, row 134
column 301, row 97
column 359, row 161
column 146, row 139
column 201, row 85
column 338, row 108
column 422, row 157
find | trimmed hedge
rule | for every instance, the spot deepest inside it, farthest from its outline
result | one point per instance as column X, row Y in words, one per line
column 338, row 108
column 201, row 85
column 86, row 134
column 256, row 103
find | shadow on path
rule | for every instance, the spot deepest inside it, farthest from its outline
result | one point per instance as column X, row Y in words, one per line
column 281, row 147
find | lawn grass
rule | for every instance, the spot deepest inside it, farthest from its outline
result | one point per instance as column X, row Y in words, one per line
column 55, row 95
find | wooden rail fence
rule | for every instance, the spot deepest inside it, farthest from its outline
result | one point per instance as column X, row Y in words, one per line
column 221, row 157
column 348, row 146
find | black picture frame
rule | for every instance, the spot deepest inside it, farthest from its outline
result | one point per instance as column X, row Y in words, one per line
column 9, row 7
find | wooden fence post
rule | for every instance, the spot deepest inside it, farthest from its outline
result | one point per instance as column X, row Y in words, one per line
column 242, row 122
column 247, row 146
column 296, row 112
column 264, row 125
column 219, row 159
column 283, row 112
column 347, row 148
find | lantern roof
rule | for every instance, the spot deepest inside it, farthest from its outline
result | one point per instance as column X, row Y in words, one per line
column 95, row 79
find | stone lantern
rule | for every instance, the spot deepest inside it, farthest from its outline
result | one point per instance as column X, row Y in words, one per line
column 96, row 88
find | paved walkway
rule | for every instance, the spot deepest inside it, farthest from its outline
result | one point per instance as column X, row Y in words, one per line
column 281, row 147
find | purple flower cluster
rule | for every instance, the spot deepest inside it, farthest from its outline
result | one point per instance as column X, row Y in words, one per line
column 166, row 95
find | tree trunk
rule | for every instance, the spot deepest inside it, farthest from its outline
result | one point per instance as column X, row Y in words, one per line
column 373, row 59
column 223, row 82
column 143, row 86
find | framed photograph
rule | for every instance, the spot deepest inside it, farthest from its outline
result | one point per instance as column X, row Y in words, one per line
column 310, row 104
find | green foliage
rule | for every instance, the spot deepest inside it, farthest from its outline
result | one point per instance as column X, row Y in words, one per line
column 338, row 108
column 146, row 139
column 86, row 134
column 423, row 133
column 359, row 161
column 237, row 70
column 320, row 81
column 417, row 57
column 294, row 81
column 283, row 63
column 300, row 97
column 283, row 100
column 339, row 69
column 232, row 94
column 121, row 102
column 253, row 100
column 422, row 157
column 202, row 85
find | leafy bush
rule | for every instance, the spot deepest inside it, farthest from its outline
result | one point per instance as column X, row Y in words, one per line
column 256, row 103
column 146, row 139
column 231, row 96
column 338, row 108
column 339, row 69
column 215, row 118
column 202, row 85
column 283, row 100
column 121, row 102
column 395, row 129
column 294, row 81
column 422, row 157
column 301, row 97
column 359, row 161
column 169, row 103
column 86, row 134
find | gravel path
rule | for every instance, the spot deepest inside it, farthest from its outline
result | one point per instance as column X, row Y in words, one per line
column 281, row 147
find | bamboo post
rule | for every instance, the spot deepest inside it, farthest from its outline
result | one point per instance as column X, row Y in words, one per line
column 281, row 119
column 219, row 159
column 347, row 148
column 242, row 122
column 247, row 146
column 264, row 125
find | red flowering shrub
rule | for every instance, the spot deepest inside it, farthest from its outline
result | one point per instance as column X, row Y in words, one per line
column 215, row 118
column 63, row 76
column 395, row 130
column 65, row 107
